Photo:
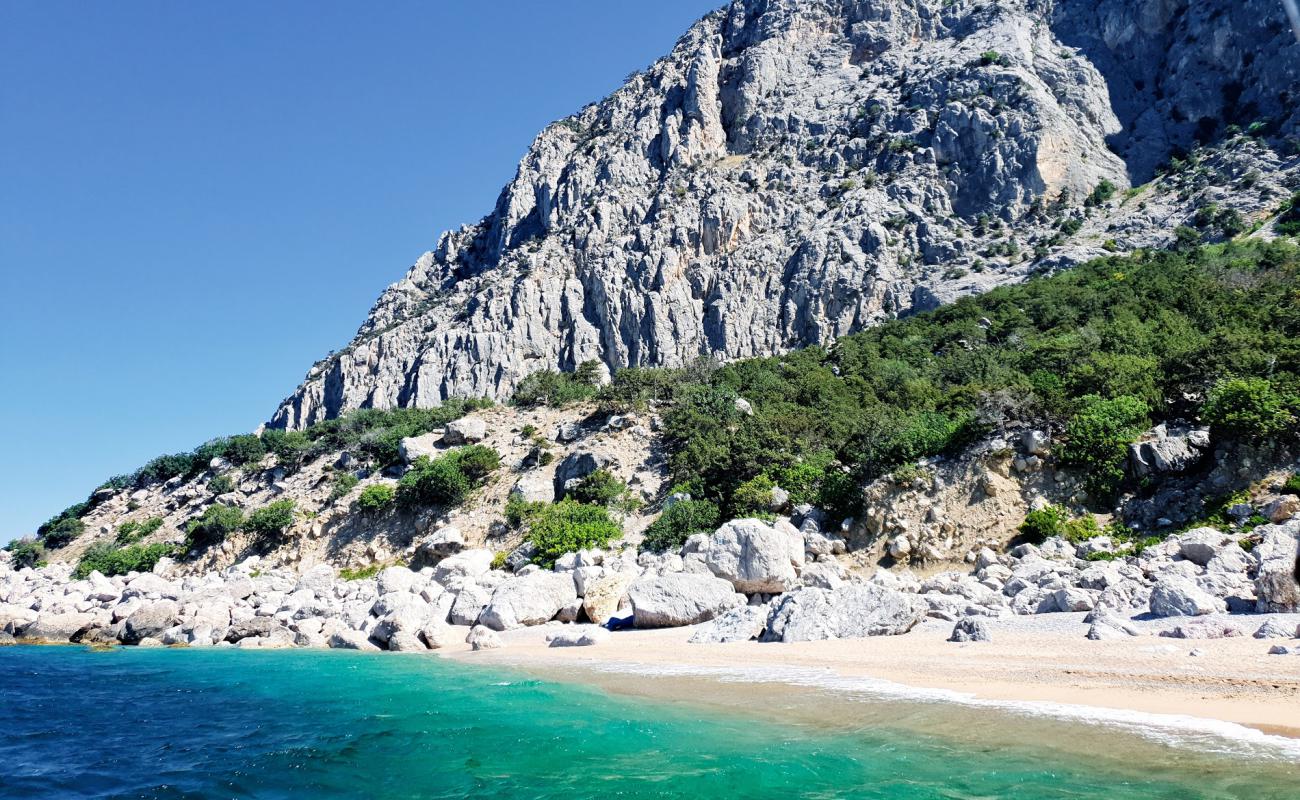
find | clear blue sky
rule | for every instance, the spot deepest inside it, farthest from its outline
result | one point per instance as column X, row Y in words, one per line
column 197, row 201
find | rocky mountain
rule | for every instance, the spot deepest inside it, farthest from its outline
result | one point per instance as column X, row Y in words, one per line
column 795, row 170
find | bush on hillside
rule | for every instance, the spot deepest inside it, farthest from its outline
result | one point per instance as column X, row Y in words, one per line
column 558, row 389
column 567, row 527
column 1097, row 439
column 132, row 531
column 271, row 521
column 109, row 560
column 1248, row 408
column 344, row 482
column 375, row 497
column 25, row 552
column 678, row 522
column 216, row 523
column 448, row 479
column 221, row 484
column 600, row 488
column 63, row 532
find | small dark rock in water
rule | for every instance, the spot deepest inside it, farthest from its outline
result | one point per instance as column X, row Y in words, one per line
column 1283, row 650
column 970, row 629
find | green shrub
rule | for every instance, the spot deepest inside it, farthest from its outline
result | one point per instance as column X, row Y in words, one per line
column 360, row 573
column 448, row 479
column 1288, row 220
column 132, row 531
column 1103, row 192
column 216, row 523
column 221, row 484
column 557, row 389
column 344, row 482
column 600, row 488
column 1043, row 524
column 753, row 498
column 109, row 561
column 25, row 552
column 518, row 510
column 243, row 449
column 499, row 559
column 990, row 57
column 288, row 446
column 1248, row 408
column 272, row 520
column 375, row 497
column 678, row 523
column 567, row 527
column 476, row 461
column 439, row 482
column 1097, row 439
column 1292, row 484
column 63, row 531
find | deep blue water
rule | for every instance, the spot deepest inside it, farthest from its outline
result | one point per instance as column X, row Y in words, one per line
column 133, row 723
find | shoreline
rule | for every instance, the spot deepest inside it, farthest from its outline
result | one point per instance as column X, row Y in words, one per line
column 1034, row 667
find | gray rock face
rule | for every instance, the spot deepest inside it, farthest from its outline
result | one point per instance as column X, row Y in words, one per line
column 740, row 624
column 970, row 629
column 1201, row 545
column 754, row 556
column 1173, row 596
column 150, row 620
column 530, row 600
column 669, row 601
column 466, row 430
column 1272, row 629
column 1164, row 453
column 57, row 628
column 852, row 611
column 795, row 170
column 1277, row 558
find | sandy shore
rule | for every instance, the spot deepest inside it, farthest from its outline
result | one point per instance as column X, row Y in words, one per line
column 1037, row 659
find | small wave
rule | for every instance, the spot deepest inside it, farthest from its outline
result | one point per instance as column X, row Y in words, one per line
column 1178, row 730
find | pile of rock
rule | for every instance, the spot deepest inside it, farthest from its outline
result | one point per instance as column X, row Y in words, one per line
column 749, row 580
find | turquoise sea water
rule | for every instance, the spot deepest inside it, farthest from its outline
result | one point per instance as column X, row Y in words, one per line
column 134, row 723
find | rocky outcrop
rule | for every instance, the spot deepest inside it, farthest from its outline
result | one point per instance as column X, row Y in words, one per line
column 795, row 170
column 670, row 601
column 1277, row 556
column 849, row 612
column 754, row 556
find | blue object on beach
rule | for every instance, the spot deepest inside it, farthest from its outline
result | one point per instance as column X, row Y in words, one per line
column 617, row 623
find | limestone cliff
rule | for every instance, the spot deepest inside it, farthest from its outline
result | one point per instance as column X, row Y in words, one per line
column 795, row 170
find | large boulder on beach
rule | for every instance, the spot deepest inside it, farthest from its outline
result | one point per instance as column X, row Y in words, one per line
column 1277, row 570
column 1175, row 596
column 483, row 638
column 469, row 604
column 348, row 639
column 530, row 600
column 150, row 620
column 970, row 629
column 602, row 597
column 669, row 601
column 852, row 611
column 319, row 580
column 754, row 556
column 740, row 624
column 465, row 564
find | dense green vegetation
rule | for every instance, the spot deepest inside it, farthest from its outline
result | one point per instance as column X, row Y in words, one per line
column 448, row 479
column 1083, row 351
column 678, row 522
column 344, row 482
column 558, row 388
column 272, row 520
column 569, row 526
column 216, row 523
column 132, row 531
column 376, row 497
column 26, row 552
column 109, row 560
